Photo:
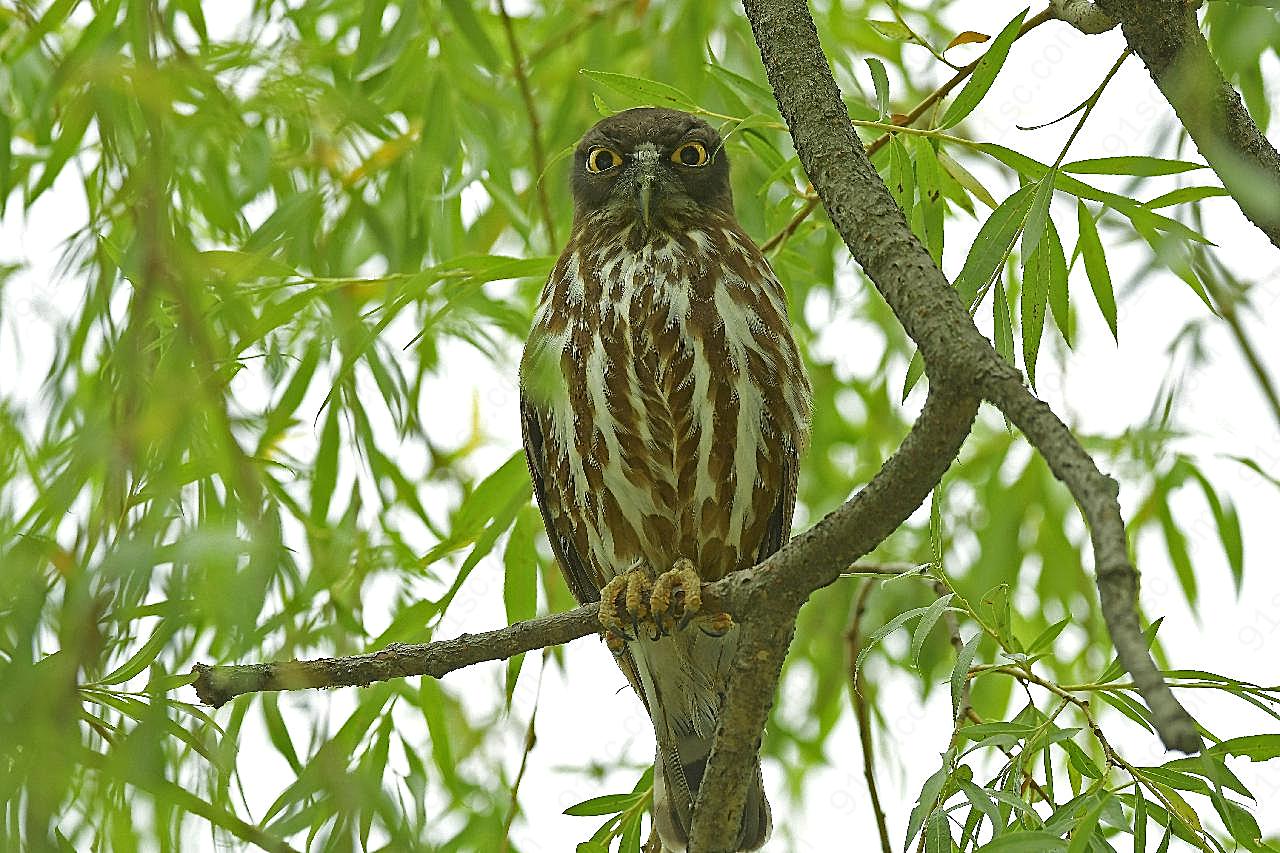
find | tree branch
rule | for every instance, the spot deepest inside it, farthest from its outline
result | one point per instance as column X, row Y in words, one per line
column 773, row 592
column 1166, row 35
column 960, row 363
column 217, row 685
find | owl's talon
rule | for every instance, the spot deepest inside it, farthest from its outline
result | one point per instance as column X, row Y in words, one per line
column 624, row 604
column 717, row 625
column 676, row 597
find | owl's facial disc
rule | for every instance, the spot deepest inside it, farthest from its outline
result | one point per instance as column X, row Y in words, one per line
column 656, row 169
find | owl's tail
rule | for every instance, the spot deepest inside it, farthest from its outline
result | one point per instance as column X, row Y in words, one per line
column 676, row 776
column 682, row 679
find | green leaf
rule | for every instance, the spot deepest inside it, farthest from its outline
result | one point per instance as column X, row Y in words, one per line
column 915, row 370
column 965, row 178
column 992, row 245
column 893, row 30
column 925, row 802
column 880, row 79
column 1083, row 830
column 1095, row 266
column 925, row 626
column 1003, row 322
column 902, row 183
column 464, row 16
column 929, row 185
column 1142, row 167
column 1024, row 842
column 883, row 631
column 143, row 657
column 642, row 90
column 1037, row 216
column 937, row 834
column 1079, row 760
column 1184, row 195
column 1046, row 637
column 607, row 804
column 1252, row 747
column 1037, row 273
column 984, row 74
column 960, row 672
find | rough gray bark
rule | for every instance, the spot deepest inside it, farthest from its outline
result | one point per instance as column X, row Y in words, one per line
column 960, row 363
column 1166, row 35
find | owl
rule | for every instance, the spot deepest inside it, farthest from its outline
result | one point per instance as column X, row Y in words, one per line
column 664, row 409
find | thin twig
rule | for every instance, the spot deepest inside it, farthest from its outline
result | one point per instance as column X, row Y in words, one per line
column 530, row 739
column 535, row 124
column 853, row 645
column 910, row 118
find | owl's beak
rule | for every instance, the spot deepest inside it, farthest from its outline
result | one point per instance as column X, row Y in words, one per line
column 645, row 165
column 644, row 199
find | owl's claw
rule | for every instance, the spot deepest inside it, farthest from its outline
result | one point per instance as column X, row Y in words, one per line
column 676, row 597
column 632, row 590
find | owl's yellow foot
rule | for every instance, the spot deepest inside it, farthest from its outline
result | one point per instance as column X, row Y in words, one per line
column 624, row 605
column 676, row 597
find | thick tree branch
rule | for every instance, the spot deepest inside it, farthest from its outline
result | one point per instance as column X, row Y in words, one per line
column 1166, row 35
column 960, row 363
column 773, row 592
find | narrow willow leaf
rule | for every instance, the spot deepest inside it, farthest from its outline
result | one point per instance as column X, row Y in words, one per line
column 965, row 178
column 1035, row 297
column 463, row 14
column 1003, row 321
column 984, row 74
column 925, row 803
column 1059, row 296
column 1048, row 635
column 1227, row 521
column 520, row 585
column 1142, row 167
column 991, row 246
column 960, row 673
column 1082, row 832
column 925, row 626
column 646, row 91
column 1037, row 216
column 902, row 182
column 937, row 834
column 1252, row 747
column 1135, row 212
column 915, row 370
column 883, row 631
column 880, row 79
column 143, row 657
column 929, row 187
column 1024, row 842
column 607, row 804
column 1079, row 760
column 893, row 30
column 1184, row 195
column 1139, row 820
column 1095, row 266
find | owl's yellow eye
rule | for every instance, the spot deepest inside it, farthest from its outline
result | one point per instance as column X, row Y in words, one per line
column 601, row 159
column 690, row 154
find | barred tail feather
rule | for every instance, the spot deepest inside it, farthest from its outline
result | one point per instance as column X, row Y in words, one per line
column 675, row 788
column 683, row 679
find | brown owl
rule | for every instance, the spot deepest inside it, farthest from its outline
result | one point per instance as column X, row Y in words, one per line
column 664, row 408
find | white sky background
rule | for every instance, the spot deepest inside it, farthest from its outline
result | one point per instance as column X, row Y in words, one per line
column 1099, row 387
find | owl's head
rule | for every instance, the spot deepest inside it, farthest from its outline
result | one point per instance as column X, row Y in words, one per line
column 654, row 167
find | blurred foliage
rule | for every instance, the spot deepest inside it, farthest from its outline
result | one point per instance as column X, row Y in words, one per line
column 295, row 227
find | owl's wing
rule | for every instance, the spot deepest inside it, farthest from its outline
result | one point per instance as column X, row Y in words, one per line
column 554, row 516
column 778, row 530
